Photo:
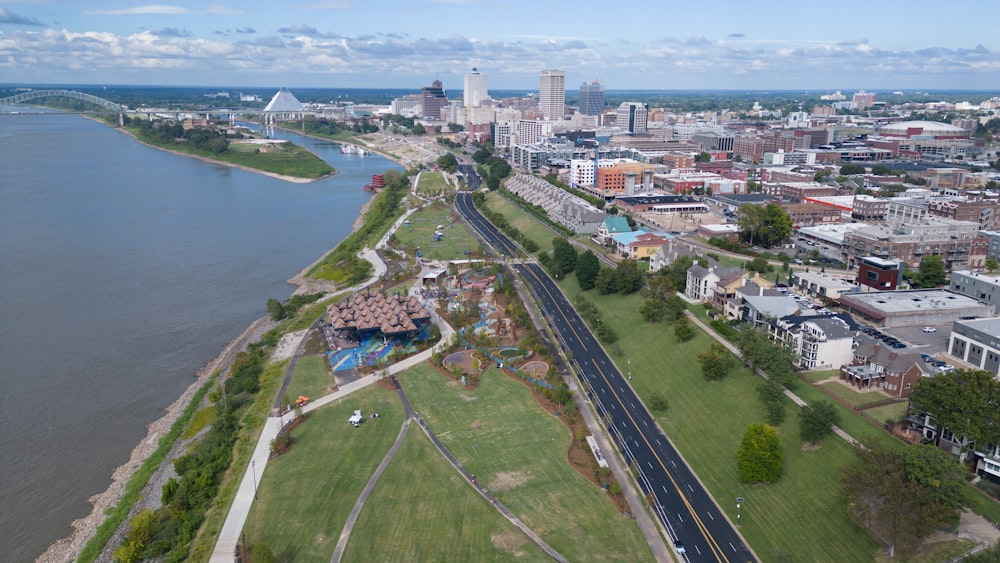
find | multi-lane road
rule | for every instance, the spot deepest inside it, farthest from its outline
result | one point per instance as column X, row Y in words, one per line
column 679, row 500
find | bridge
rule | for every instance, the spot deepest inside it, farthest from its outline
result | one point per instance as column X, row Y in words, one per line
column 34, row 94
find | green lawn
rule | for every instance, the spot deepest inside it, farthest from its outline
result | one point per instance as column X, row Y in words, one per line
column 799, row 518
column 518, row 451
column 895, row 411
column 531, row 227
column 311, row 378
column 821, row 375
column 423, row 510
column 420, row 233
column 849, row 395
column 305, row 496
column 433, row 184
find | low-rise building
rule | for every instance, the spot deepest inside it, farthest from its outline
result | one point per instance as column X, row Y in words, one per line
column 958, row 243
column 879, row 273
column 611, row 225
column 822, row 285
column 876, row 365
column 810, row 214
column 977, row 285
column 977, row 342
column 914, row 307
column 819, row 341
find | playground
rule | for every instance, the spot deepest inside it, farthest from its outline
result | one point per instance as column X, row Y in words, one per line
column 374, row 349
column 465, row 361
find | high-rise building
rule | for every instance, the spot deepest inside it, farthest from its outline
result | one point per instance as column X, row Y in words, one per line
column 433, row 100
column 592, row 98
column 552, row 94
column 475, row 89
column 631, row 116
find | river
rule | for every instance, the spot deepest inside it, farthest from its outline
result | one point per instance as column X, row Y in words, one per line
column 123, row 270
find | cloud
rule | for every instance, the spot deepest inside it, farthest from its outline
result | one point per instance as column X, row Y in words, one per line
column 148, row 9
column 242, row 55
column 301, row 29
column 736, row 35
column 8, row 17
column 173, row 32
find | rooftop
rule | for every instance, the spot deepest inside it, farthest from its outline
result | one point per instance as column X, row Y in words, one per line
column 988, row 326
column 912, row 301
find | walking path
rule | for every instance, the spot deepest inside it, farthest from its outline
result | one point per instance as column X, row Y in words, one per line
column 795, row 398
column 225, row 547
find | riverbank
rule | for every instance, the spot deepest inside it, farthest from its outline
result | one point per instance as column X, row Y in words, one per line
column 294, row 179
column 69, row 548
column 84, row 529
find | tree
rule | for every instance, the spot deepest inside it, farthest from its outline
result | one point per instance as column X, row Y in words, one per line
column 772, row 394
column 482, row 155
column 418, row 129
column 759, row 264
column 563, row 257
column 657, row 402
column 897, row 496
column 448, row 163
column 963, row 401
column 629, row 276
column 703, row 157
column 606, row 281
column 674, row 307
column 849, row 168
column 683, row 330
column 759, row 458
column 714, row 362
column 992, row 265
column 816, row 421
column 676, row 272
column 765, row 225
column 456, row 128
column 275, row 309
column 653, row 310
column 587, row 267
column 932, row 272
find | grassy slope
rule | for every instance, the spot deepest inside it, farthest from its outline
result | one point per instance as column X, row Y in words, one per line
column 432, row 183
column 520, row 219
column 310, row 378
column 422, row 510
column 306, row 494
column 501, row 435
column 421, row 233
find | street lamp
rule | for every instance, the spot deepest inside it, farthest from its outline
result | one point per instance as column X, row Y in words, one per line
column 253, row 470
column 629, row 361
column 739, row 501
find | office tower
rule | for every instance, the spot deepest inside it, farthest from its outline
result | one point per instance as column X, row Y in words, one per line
column 592, row 98
column 433, row 99
column 552, row 94
column 475, row 89
column 631, row 116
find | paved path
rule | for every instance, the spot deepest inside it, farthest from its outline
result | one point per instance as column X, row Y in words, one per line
column 345, row 534
column 795, row 398
column 225, row 547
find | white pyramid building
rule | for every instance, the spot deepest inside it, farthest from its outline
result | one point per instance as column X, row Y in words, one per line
column 284, row 105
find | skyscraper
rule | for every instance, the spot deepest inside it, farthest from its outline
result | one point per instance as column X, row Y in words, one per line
column 475, row 89
column 592, row 98
column 433, row 99
column 552, row 94
column 632, row 116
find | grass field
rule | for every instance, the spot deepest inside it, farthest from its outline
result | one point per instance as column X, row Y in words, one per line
column 311, row 378
column 531, row 227
column 420, row 233
column 798, row 518
column 849, row 395
column 422, row 510
column 518, row 451
column 305, row 496
column 433, row 184
column 895, row 411
column 821, row 375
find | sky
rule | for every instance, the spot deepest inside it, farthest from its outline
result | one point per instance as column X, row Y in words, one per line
column 626, row 44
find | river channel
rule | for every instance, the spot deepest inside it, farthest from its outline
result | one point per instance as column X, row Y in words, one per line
column 123, row 270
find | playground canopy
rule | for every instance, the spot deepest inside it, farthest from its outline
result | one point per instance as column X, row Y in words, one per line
column 393, row 315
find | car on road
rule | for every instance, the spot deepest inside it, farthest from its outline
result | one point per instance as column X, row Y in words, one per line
column 929, row 329
column 927, row 358
column 679, row 547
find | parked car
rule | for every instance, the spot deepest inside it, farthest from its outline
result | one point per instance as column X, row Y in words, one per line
column 927, row 358
column 897, row 344
column 929, row 329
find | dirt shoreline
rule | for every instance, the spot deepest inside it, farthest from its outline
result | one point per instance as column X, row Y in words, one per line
column 69, row 547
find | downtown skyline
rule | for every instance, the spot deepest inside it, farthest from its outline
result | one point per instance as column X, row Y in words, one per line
column 408, row 44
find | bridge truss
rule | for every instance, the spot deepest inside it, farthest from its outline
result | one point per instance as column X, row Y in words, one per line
column 34, row 94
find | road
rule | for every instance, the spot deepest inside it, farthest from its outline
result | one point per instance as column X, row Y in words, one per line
column 680, row 501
